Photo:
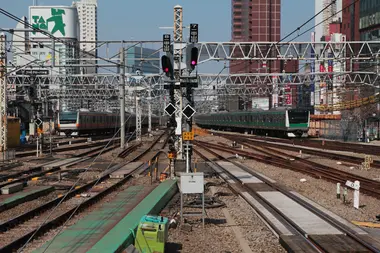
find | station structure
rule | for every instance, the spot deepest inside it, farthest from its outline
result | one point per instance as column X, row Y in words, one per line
column 102, row 89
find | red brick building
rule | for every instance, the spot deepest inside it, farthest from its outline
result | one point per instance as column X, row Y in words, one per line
column 255, row 20
column 350, row 25
column 350, row 19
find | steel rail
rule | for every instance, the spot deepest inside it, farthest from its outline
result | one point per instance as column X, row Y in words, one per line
column 61, row 218
column 282, row 163
column 257, row 197
column 308, row 206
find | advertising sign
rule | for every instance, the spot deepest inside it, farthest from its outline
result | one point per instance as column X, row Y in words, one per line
column 322, row 68
column 288, row 99
column 260, row 103
column 60, row 21
column 330, row 62
column 288, row 95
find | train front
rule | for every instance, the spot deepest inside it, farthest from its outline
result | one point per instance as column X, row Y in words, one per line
column 297, row 122
column 68, row 122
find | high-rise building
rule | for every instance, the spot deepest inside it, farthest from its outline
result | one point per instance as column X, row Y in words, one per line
column 259, row 21
column 369, row 20
column 323, row 20
column 88, row 25
column 350, row 20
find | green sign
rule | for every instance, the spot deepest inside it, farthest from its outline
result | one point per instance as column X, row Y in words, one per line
column 56, row 20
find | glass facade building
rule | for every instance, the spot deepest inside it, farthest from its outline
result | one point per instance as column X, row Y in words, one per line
column 369, row 27
column 369, row 13
column 144, row 59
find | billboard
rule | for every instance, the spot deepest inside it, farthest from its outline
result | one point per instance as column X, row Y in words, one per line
column 60, row 21
column 260, row 103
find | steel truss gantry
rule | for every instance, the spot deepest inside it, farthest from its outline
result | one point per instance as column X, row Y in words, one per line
column 265, row 51
column 105, row 86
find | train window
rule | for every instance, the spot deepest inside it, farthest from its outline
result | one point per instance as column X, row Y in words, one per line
column 298, row 117
column 68, row 117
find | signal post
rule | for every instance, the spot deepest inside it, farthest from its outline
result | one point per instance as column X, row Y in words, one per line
column 171, row 109
column 189, row 83
column 176, row 83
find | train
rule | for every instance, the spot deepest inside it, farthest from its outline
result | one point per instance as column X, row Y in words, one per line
column 91, row 123
column 277, row 122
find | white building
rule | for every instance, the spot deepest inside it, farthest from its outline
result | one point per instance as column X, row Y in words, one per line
column 62, row 23
column 88, row 25
column 20, row 46
column 333, row 97
column 323, row 28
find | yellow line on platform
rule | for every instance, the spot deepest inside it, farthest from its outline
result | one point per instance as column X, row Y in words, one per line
column 367, row 224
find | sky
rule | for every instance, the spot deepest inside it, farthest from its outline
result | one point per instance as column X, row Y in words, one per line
column 140, row 20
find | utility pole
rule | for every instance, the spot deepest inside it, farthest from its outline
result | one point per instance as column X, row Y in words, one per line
column 188, row 136
column 189, row 83
column 170, row 109
column 149, row 109
column 122, row 98
column 138, row 118
column 3, row 95
column 177, row 51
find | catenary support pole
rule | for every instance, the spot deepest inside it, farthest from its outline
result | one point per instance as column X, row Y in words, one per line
column 122, row 99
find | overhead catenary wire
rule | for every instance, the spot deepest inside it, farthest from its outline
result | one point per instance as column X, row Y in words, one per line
column 53, row 49
column 306, row 22
column 10, row 15
column 333, row 15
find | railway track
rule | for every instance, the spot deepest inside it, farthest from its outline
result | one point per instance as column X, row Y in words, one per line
column 37, row 171
column 311, row 242
column 129, row 150
column 305, row 150
column 69, row 148
column 330, row 155
column 30, row 226
column 320, row 144
column 367, row 186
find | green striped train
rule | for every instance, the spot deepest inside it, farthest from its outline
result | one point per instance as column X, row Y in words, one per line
column 277, row 122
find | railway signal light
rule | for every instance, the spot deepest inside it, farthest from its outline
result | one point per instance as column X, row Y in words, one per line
column 167, row 66
column 192, row 57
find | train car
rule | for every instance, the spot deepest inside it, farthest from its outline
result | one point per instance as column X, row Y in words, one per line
column 277, row 122
column 86, row 122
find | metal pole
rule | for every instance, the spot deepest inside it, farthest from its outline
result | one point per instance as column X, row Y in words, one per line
column 149, row 110
column 3, row 94
column 138, row 119
column 187, row 154
column 178, row 46
column 50, row 138
column 37, row 144
column 122, row 98
column 53, row 53
column 190, row 98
